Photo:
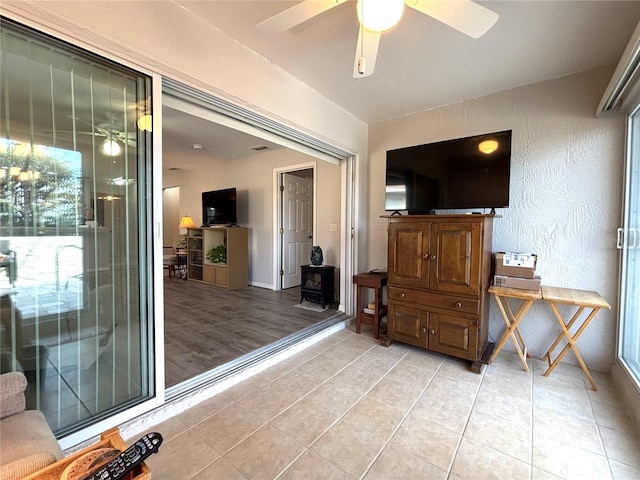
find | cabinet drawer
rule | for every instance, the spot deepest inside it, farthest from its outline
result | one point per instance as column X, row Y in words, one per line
column 459, row 304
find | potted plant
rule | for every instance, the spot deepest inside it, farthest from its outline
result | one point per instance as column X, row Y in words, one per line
column 217, row 254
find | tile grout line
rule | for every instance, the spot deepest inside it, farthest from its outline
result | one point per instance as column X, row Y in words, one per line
column 401, row 422
column 466, row 424
column 297, row 401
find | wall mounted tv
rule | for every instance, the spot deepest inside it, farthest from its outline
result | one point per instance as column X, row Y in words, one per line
column 463, row 173
column 219, row 207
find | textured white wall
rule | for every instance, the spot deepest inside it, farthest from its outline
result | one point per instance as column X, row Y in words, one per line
column 565, row 193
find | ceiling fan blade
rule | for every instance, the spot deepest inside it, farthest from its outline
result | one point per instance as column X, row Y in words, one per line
column 465, row 16
column 367, row 48
column 295, row 15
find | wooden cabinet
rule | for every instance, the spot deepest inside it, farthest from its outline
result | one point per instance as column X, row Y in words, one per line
column 439, row 270
column 231, row 274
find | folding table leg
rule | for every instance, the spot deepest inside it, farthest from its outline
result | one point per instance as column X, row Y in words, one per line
column 512, row 321
column 571, row 341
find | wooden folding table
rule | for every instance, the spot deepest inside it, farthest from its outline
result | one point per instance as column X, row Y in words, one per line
column 511, row 319
column 582, row 299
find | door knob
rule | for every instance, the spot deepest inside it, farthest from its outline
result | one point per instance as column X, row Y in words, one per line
column 423, row 330
column 458, row 305
column 433, row 331
column 433, row 257
column 425, row 255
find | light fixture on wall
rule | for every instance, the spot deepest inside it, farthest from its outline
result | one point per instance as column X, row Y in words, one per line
column 110, row 147
column 186, row 222
column 488, row 146
column 145, row 122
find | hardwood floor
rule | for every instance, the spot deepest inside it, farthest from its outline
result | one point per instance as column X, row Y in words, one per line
column 206, row 326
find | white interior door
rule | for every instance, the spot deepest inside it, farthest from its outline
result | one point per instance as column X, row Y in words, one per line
column 297, row 225
column 170, row 214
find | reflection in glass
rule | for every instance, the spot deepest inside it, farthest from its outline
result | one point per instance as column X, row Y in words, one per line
column 71, row 308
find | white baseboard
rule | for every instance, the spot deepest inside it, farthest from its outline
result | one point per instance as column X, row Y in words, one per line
column 268, row 286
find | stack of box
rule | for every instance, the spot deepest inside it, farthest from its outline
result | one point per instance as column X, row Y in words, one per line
column 516, row 270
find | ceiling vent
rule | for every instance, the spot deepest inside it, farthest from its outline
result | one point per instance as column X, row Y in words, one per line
column 257, row 148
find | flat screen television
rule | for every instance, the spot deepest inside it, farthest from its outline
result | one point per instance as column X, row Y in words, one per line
column 463, row 173
column 219, row 207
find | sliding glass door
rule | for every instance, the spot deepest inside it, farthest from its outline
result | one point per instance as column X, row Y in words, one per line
column 74, row 243
column 629, row 243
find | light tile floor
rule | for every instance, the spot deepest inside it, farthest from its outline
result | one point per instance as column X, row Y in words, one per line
column 348, row 408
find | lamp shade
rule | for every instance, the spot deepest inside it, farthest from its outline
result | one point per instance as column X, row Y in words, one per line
column 186, row 222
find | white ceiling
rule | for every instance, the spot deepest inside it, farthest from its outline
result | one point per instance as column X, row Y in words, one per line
column 423, row 63
column 180, row 131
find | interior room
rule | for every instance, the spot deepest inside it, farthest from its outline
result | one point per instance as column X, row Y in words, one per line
column 464, row 379
column 207, row 325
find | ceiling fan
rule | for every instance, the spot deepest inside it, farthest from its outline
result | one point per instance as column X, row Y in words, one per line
column 376, row 16
column 112, row 130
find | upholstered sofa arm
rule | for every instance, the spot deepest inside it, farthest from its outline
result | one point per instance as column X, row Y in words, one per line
column 12, row 386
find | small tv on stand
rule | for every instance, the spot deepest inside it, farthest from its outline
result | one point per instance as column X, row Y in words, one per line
column 219, row 207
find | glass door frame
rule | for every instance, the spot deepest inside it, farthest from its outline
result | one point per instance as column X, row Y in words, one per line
column 152, row 282
column 629, row 244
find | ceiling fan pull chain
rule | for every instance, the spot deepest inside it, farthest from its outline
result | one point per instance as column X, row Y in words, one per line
column 362, row 62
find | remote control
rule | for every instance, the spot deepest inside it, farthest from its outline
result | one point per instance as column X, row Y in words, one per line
column 127, row 460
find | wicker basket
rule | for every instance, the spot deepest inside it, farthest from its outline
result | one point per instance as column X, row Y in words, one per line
column 63, row 470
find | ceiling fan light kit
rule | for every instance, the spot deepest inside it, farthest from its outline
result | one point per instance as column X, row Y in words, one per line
column 110, row 147
column 379, row 16
column 466, row 16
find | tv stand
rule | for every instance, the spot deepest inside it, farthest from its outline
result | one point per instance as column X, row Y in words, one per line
column 233, row 274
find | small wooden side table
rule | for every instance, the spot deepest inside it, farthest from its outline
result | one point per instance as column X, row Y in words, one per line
column 511, row 319
column 582, row 299
column 376, row 281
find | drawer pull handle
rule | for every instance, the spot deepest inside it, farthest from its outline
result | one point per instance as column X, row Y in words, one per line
column 433, row 257
column 425, row 255
column 423, row 330
column 433, row 331
column 458, row 305
column 402, row 295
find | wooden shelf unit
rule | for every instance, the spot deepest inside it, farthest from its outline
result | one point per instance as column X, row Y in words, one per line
column 235, row 273
column 439, row 269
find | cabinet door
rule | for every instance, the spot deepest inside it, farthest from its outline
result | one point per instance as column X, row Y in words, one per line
column 408, row 251
column 454, row 336
column 455, row 257
column 208, row 274
column 407, row 324
column 220, row 276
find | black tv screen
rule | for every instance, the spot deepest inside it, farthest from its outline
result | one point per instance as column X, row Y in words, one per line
column 463, row 173
column 219, row 207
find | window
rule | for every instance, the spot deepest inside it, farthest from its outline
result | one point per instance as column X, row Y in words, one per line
column 74, row 190
column 629, row 241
